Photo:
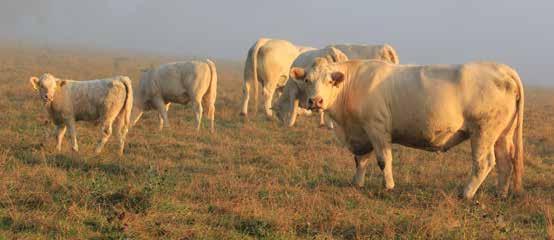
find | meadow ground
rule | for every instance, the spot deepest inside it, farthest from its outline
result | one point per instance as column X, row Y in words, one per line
column 250, row 180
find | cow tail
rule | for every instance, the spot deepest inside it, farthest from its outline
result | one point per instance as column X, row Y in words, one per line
column 212, row 89
column 251, row 71
column 128, row 104
column 211, row 95
column 517, row 159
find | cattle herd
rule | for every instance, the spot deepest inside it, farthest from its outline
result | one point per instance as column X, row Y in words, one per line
column 368, row 98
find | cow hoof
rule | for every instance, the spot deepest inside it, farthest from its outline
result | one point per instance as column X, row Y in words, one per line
column 502, row 195
column 389, row 186
column 518, row 194
column 357, row 183
column 462, row 195
column 243, row 114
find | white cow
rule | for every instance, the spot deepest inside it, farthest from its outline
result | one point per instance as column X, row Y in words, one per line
column 434, row 107
column 286, row 106
column 105, row 100
column 268, row 63
column 178, row 82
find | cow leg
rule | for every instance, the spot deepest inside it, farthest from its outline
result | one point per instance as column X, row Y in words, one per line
column 136, row 118
column 483, row 161
column 136, row 113
column 383, row 152
column 211, row 115
column 197, row 108
column 160, row 117
column 295, row 110
column 70, row 123
column 268, row 98
column 245, row 98
column 361, row 167
column 122, row 138
column 382, row 147
column 60, row 132
column 321, row 119
column 159, row 104
column 328, row 121
column 121, row 131
column 502, row 153
column 106, row 133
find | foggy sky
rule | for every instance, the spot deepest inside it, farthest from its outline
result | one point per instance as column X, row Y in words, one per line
column 518, row 33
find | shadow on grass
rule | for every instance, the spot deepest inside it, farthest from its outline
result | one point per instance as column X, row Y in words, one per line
column 30, row 155
column 27, row 153
column 67, row 162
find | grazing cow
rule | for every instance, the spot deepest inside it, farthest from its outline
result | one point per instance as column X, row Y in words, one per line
column 434, row 108
column 268, row 63
column 105, row 100
column 178, row 82
column 287, row 108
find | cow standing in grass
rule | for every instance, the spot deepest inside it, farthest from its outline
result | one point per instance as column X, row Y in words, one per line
column 291, row 103
column 178, row 82
column 268, row 63
column 106, row 100
column 375, row 104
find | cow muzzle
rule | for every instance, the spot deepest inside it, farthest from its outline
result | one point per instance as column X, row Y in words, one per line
column 315, row 103
column 46, row 99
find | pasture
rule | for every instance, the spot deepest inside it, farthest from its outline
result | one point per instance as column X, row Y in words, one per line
column 252, row 179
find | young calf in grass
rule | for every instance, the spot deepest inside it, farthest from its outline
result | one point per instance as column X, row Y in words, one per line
column 106, row 100
column 177, row 82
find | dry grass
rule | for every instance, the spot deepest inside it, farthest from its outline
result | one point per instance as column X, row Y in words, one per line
column 249, row 180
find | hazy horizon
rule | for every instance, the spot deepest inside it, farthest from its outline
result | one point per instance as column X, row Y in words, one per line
column 424, row 32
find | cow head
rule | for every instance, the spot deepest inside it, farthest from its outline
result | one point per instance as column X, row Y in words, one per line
column 284, row 106
column 320, row 82
column 46, row 85
column 281, row 110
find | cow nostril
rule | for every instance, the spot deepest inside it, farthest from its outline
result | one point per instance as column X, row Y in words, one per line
column 320, row 102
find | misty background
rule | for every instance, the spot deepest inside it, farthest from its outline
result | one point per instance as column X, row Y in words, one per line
column 518, row 33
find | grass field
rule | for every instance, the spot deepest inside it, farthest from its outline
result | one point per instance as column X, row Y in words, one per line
column 250, row 180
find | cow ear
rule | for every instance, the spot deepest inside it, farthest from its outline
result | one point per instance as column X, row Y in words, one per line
column 61, row 83
column 337, row 55
column 34, row 82
column 337, row 78
column 388, row 54
column 297, row 73
column 320, row 61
